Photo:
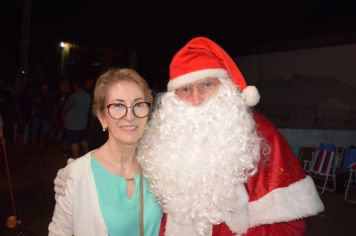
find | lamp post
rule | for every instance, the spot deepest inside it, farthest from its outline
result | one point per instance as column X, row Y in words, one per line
column 65, row 47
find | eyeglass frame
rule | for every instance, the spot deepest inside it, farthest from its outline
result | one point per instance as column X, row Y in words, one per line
column 127, row 108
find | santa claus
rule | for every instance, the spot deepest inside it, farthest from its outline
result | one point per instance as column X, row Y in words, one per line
column 216, row 166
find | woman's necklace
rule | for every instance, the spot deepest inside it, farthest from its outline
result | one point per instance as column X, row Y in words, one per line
column 128, row 179
column 141, row 199
column 127, row 169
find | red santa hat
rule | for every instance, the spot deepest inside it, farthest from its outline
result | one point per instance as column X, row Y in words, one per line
column 202, row 58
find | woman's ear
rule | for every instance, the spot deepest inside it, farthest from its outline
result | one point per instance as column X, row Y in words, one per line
column 102, row 119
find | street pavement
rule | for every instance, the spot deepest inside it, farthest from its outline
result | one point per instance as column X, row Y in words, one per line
column 31, row 175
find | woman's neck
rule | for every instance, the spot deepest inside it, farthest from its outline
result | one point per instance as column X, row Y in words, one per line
column 122, row 153
column 119, row 159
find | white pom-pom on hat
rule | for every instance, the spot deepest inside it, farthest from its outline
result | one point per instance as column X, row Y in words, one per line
column 251, row 96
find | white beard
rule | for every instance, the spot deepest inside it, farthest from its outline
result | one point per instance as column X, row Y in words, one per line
column 197, row 159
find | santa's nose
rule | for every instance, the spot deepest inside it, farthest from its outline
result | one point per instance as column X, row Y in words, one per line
column 196, row 97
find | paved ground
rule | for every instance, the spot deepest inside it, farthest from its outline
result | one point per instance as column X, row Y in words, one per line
column 32, row 176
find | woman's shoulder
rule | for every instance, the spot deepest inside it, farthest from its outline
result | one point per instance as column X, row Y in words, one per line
column 79, row 166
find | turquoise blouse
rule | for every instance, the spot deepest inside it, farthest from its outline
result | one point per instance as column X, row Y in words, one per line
column 121, row 214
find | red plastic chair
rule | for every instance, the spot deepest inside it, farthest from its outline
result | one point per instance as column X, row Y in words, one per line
column 323, row 166
column 350, row 156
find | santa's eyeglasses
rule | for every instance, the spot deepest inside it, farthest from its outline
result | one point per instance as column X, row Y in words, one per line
column 204, row 87
column 119, row 110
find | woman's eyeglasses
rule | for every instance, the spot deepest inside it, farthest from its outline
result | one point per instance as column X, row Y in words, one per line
column 119, row 110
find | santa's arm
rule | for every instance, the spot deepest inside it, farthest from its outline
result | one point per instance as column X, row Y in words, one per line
column 280, row 191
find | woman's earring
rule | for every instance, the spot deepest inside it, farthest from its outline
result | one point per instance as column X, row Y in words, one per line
column 104, row 128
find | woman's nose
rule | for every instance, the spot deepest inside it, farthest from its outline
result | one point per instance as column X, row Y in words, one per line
column 129, row 115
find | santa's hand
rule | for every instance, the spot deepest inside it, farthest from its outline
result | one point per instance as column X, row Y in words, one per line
column 60, row 180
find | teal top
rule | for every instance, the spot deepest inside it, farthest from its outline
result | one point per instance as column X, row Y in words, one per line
column 121, row 213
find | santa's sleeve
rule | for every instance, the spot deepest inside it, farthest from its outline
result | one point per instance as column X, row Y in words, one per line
column 280, row 191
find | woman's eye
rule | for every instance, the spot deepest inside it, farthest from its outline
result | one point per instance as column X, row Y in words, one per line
column 119, row 106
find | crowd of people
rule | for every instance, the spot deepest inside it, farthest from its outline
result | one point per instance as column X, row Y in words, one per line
column 36, row 113
column 201, row 161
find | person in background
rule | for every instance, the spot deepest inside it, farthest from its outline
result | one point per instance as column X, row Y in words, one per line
column 2, row 139
column 43, row 116
column 216, row 165
column 93, row 126
column 75, row 113
column 5, row 100
column 6, row 107
column 23, row 111
column 64, row 93
column 105, row 192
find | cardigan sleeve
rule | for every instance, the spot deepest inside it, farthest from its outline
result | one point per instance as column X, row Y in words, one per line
column 62, row 220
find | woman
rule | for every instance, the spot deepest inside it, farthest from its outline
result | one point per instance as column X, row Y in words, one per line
column 105, row 192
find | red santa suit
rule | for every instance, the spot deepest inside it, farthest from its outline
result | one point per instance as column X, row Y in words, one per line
column 280, row 194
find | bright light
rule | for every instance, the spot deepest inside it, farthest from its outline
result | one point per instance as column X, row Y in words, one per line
column 62, row 44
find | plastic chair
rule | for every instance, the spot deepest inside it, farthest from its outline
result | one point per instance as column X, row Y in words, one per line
column 323, row 165
column 350, row 163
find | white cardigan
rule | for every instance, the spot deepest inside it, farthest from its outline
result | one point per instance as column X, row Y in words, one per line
column 78, row 212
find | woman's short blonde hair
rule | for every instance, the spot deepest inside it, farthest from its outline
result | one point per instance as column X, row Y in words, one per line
column 111, row 77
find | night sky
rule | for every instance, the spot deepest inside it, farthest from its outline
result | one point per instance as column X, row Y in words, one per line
column 156, row 30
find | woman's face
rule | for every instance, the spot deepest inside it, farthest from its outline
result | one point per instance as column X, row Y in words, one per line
column 128, row 129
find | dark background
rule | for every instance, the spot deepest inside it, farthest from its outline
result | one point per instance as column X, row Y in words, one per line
column 155, row 30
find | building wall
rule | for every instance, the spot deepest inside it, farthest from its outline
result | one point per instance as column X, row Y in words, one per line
column 308, row 88
column 313, row 137
column 336, row 61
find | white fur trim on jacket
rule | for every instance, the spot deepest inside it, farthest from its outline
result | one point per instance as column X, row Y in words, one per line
column 195, row 76
column 295, row 201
